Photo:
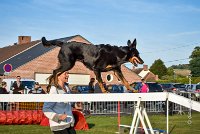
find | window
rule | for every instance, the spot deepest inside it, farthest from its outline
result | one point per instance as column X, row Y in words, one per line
column 109, row 77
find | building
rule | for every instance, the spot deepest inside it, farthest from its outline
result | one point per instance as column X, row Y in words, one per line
column 182, row 72
column 30, row 59
column 145, row 73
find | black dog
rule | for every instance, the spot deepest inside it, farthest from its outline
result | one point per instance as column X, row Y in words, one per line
column 99, row 58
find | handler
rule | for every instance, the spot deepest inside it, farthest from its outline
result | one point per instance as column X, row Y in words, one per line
column 59, row 113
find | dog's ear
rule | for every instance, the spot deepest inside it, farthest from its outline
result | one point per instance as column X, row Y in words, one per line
column 129, row 43
column 132, row 45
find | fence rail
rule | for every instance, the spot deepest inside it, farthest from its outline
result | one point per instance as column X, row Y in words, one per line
column 102, row 107
column 103, row 103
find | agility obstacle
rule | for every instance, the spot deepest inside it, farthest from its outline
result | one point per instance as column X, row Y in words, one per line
column 163, row 96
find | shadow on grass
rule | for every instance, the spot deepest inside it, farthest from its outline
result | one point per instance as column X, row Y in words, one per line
column 91, row 125
column 172, row 129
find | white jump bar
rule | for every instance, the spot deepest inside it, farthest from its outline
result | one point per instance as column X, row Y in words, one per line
column 82, row 97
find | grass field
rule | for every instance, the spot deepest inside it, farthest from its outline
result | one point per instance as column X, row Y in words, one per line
column 108, row 125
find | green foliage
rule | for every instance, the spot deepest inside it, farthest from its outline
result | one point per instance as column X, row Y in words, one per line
column 108, row 125
column 184, row 80
column 170, row 71
column 158, row 68
column 180, row 66
column 195, row 62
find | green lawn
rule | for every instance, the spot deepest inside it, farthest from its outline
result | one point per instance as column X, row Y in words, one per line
column 108, row 125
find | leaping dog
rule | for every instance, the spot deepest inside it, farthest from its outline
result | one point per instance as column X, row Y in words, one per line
column 99, row 58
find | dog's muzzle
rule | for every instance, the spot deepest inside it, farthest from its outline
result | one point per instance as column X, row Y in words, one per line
column 135, row 61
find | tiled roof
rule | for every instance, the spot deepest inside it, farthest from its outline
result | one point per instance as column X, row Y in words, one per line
column 9, row 51
column 137, row 70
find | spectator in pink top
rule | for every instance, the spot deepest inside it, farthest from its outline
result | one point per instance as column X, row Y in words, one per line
column 144, row 88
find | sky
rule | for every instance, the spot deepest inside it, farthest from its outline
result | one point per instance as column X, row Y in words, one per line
column 165, row 29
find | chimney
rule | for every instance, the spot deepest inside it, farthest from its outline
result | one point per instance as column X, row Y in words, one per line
column 145, row 67
column 24, row 39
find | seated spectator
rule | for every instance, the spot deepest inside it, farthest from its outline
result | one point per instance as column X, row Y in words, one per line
column 37, row 89
column 74, row 90
column 3, row 90
column 133, row 85
column 91, row 85
column 97, row 88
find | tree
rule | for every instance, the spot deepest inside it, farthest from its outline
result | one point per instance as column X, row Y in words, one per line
column 158, row 68
column 195, row 62
column 180, row 66
column 170, row 71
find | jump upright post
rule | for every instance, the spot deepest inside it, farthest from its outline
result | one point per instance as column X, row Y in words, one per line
column 140, row 115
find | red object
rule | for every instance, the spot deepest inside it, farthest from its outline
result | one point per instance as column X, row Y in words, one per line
column 34, row 117
column 21, row 117
column 29, row 114
column 40, row 116
column 45, row 121
column 9, row 117
column 2, row 117
column 15, row 117
column 25, row 117
column 7, row 67
column 197, row 91
column 80, row 121
column 118, row 111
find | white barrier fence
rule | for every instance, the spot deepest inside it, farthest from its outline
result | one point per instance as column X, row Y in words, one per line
column 82, row 97
column 110, row 97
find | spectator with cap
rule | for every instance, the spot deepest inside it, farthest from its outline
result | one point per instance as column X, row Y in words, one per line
column 37, row 89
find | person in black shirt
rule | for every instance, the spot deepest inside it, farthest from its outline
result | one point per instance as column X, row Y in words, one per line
column 18, row 87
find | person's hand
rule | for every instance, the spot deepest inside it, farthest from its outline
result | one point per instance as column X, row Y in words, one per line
column 62, row 117
column 21, row 91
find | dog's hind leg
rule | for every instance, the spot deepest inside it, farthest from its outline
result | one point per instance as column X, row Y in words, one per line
column 67, row 61
column 100, row 81
column 119, row 75
column 64, row 66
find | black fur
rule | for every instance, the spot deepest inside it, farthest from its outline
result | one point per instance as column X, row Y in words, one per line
column 99, row 58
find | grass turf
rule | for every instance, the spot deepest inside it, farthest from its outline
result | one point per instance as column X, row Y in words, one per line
column 108, row 125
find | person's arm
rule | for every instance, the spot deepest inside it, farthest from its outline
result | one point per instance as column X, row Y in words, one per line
column 13, row 85
column 1, row 90
column 48, row 111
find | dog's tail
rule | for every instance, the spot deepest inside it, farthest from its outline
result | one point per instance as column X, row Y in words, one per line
column 51, row 43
